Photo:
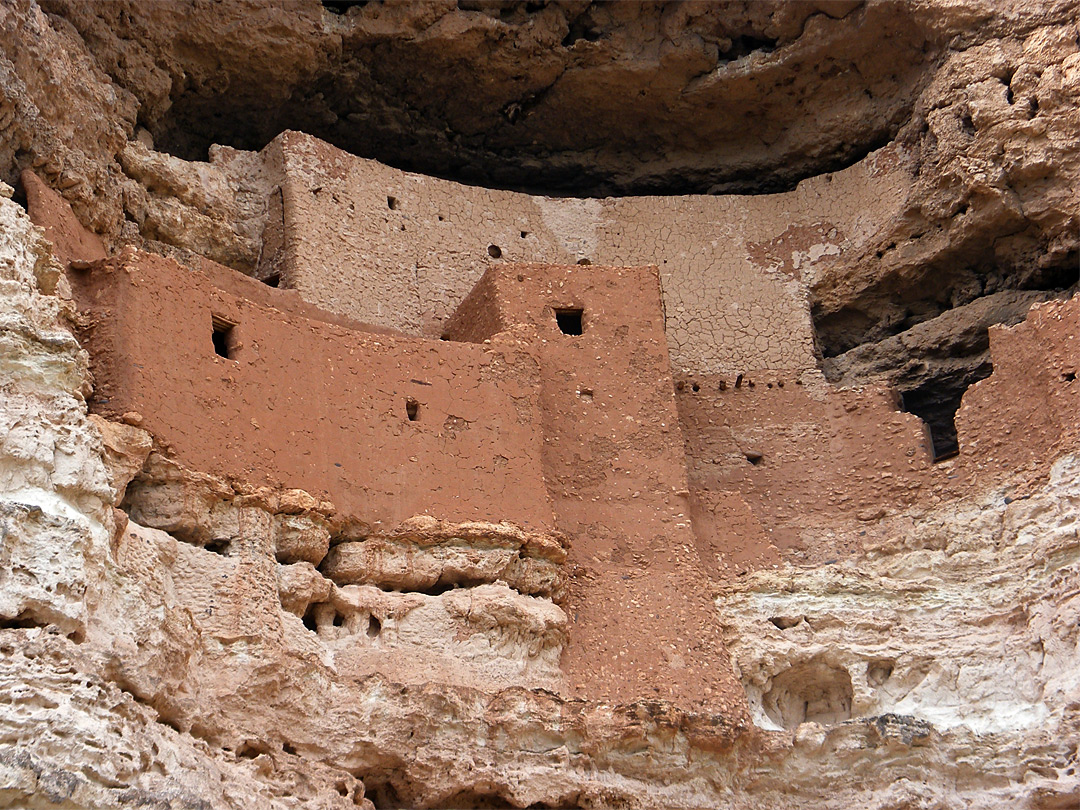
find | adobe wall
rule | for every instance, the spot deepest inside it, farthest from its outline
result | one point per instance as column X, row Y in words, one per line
column 802, row 455
column 643, row 621
column 70, row 240
column 307, row 403
column 816, row 463
column 1024, row 414
column 663, row 480
column 403, row 250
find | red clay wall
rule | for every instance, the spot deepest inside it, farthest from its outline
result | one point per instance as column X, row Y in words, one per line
column 643, row 618
column 659, row 484
column 313, row 404
column 48, row 210
column 1024, row 415
column 820, row 467
column 799, row 454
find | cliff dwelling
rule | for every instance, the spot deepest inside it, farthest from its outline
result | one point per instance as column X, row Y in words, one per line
column 377, row 432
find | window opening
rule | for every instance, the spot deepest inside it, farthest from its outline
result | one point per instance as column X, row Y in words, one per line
column 936, row 403
column 570, row 321
column 391, row 203
column 223, row 337
column 494, row 251
column 412, row 409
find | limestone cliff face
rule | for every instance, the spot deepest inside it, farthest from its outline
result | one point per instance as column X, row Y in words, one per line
column 177, row 638
column 935, row 668
column 957, row 634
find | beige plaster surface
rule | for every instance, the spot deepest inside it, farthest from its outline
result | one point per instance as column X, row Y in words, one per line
column 402, row 250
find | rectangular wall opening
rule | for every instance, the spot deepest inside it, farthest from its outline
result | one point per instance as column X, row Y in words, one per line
column 570, row 321
column 223, row 337
column 936, row 403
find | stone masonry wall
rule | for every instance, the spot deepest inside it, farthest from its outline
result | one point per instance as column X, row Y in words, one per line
column 822, row 467
column 402, row 250
column 614, row 464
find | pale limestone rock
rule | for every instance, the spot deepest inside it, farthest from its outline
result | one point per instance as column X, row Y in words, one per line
column 70, row 735
column 55, row 497
column 300, row 537
column 424, row 554
column 959, row 635
column 84, row 742
column 486, row 637
column 126, row 450
column 300, row 585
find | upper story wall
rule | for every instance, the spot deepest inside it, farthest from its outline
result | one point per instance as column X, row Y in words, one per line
column 384, row 426
column 403, row 250
column 614, row 459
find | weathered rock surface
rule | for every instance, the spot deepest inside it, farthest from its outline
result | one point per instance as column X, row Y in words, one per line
column 424, row 554
column 959, row 633
column 989, row 209
column 398, row 82
column 174, row 639
column 75, row 666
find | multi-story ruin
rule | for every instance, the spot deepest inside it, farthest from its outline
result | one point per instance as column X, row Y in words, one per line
column 329, row 483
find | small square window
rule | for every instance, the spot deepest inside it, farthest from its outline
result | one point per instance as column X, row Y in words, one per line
column 224, row 337
column 570, row 321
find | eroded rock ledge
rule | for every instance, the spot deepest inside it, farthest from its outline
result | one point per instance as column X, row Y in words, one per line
column 574, row 96
column 902, row 632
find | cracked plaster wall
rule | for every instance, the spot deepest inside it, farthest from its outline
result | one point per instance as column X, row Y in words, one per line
column 615, row 468
column 402, row 250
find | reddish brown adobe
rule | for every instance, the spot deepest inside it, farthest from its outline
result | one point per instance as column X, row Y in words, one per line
column 239, row 382
column 70, row 240
column 552, row 404
column 615, row 468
